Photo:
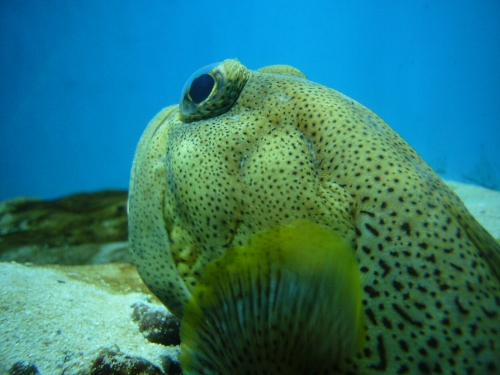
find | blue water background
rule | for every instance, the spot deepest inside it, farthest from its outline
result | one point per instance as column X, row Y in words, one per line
column 81, row 79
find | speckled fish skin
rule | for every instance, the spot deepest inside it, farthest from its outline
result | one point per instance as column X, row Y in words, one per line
column 290, row 148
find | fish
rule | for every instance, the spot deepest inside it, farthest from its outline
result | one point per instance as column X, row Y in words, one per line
column 247, row 154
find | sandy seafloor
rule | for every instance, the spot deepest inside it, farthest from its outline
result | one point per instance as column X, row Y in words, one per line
column 60, row 318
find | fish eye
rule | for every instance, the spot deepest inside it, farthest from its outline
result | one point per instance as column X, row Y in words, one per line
column 201, row 88
column 212, row 90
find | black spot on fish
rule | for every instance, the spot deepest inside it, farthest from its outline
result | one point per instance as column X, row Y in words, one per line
column 444, row 287
column 405, row 316
column 457, row 267
column 431, row 258
column 424, row 368
column 404, row 345
column 460, row 307
column 403, row 369
column 382, row 365
column 371, row 316
column 423, row 245
column 489, row 314
column 371, row 291
column 412, row 271
column 407, row 228
column 385, row 267
column 432, row 342
column 397, row 285
column 387, row 323
column 372, row 229
column 478, row 348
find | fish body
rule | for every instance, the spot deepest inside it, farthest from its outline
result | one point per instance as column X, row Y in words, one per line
column 247, row 151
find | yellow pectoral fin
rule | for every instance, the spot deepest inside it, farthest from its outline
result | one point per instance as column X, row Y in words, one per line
column 288, row 302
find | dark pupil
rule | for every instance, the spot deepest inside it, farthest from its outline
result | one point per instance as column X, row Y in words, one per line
column 201, row 88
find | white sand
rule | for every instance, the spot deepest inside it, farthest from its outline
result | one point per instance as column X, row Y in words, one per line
column 50, row 319
column 483, row 203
